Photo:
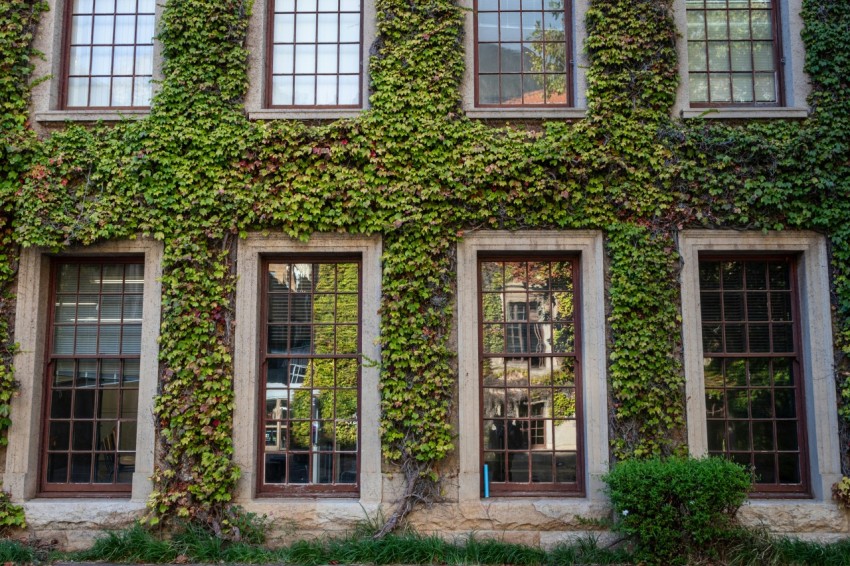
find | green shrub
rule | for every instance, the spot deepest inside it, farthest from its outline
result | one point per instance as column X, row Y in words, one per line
column 676, row 507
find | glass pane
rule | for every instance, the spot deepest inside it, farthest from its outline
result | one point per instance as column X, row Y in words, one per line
column 735, row 341
column 739, row 438
column 347, row 308
column 349, row 28
column 278, row 339
column 284, row 28
column 347, row 468
column 510, row 26
column 763, row 56
column 785, row 404
column 60, row 436
column 131, row 373
column 759, row 338
column 488, row 27
column 81, row 468
column 305, row 87
column 783, row 338
column 716, row 23
column 104, row 6
column 757, row 306
column 125, row 6
column 57, row 468
column 763, row 436
column 132, row 308
column 739, row 24
column 737, row 404
column 786, row 435
column 761, row 404
column 129, row 403
column 761, row 25
column 511, row 57
column 765, row 87
column 511, row 89
column 127, row 435
column 81, row 29
column 741, row 56
column 142, row 91
column 83, row 438
column 282, row 59
column 122, row 91
column 275, row 468
column 60, row 404
column 346, row 340
column 696, row 24
column 80, row 59
column 63, row 373
column 110, row 372
column 99, row 94
column 326, row 61
column 764, row 468
column 696, row 56
column 718, row 57
column 108, row 404
column 488, row 89
column 698, row 88
column 780, row 306
column 144, row 30
column 328, row 28
column 131, row 339
column 125, row 29
column 86, row 340
column 349, row 58
column 86, row 6
column 144, row 60
column 541, row 467
column 779, row 276
column 736, row 373
column 282, row 91
column 789, row 468
column 716, row 436
column 299, row 466
column 103, row 29
column 349, row 90
column 565, row 467
column 305, row 28
column 721, row 88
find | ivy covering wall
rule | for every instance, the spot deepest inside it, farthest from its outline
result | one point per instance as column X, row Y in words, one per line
column 197, row 175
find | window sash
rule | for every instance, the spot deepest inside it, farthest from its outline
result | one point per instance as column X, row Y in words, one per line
column 755, row 407
column 311, row 453
column 90, row 411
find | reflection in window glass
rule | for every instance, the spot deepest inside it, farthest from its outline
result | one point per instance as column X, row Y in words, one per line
column 522, row 51
column 531, row 421
column 310, row 423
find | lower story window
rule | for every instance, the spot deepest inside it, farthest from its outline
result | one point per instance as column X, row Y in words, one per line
column 309, row 427
column 94, row 343
column 530, row 374
column 752, row 370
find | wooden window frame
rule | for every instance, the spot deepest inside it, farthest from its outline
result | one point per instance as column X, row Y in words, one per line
column 306, row 489
column 73, row 489
column 569, row 72
column 530, row 488
column 802, row 490
column 778, row 62
column 269, row 64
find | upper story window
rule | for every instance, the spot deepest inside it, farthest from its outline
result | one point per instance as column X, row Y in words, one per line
column 94, row 347
column 752, row 368
column 531, row 422
column 108, row 53
column 309, row 421
column 734, row 53
column 315, row 53
column 523, row 53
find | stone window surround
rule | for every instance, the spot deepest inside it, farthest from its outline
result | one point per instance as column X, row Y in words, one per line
column 796, row 83
column 255, row 103
column 246, row 374
column 579, row 63
column 588, row 244
column 49, row 40
column 22, row 457
column 816, row 345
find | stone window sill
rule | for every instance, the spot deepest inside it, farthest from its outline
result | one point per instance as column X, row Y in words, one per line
column 59, row 116
column 744, row 113
column 526, row 113
column 305, row 114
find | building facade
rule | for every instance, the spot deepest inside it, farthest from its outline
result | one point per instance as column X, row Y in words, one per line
column 282, row 254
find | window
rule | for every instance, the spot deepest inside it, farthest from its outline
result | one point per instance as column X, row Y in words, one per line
column 752, row 370
column 94, row 346
column 523, row 53
column 529, row 374
column 734, row 53
column 315, row 53
column 109, row 53
column 311, row 380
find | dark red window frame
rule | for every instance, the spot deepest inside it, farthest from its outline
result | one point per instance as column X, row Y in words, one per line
column 533, row 424
column 753, row 368
column 520, row 9
column 104, row 449
column 269, row 66
column 778, row 60
column 280, row 427
column 67, row 43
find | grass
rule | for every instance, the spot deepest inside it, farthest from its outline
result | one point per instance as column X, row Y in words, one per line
column 136, row 545
column 744, row 547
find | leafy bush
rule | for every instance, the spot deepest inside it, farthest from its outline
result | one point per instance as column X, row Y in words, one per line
column 676, row 507
column 11, row 515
